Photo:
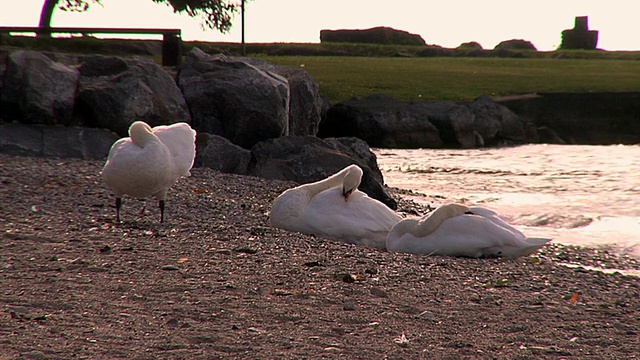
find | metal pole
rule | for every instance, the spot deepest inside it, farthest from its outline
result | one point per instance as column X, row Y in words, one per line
column 244, row 48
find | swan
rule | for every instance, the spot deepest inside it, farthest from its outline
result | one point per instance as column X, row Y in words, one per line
column 334, row 208
column 457, row 230
column 149, row 161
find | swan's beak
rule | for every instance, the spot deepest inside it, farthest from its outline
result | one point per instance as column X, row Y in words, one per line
column 346, row 194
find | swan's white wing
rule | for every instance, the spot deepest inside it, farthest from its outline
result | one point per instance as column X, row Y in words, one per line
column 493, row 216
column 361, row 220
column 180, row 140
column 465, row 235
column 136, row 171
column 286, row 210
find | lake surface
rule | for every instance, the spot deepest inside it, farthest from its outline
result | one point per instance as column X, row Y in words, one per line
column 577, row 195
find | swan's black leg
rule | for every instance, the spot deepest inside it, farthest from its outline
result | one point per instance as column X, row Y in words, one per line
column 161, row 203
column 118, row 206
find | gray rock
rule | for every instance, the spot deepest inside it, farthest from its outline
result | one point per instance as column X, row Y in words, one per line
column 220, row 154
column 376, row 35
column 37, row 90
column 234, row 99
column 454, row 122
column 357, row 149
column 497, row 125
column 515, row 44
column 55, row 141
column 305, row 104
column 385, row 122
column 381, row 121
column 548, row 136
column 116, row 92
column 305, row 159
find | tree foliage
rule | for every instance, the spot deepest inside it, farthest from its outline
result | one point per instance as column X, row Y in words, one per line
column 75, row 5
column 214, row 14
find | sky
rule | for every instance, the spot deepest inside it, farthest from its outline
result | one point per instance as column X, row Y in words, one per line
column 447, row 23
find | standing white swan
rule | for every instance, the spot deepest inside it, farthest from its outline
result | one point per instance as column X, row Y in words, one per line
column 457, row 230
column 334, row 208
column 149, row 161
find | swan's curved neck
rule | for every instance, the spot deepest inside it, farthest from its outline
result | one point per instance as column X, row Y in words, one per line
column 335, row 180
column 141, row 133
column 429, row 224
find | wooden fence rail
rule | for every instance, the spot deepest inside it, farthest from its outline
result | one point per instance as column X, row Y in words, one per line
column 171, row 38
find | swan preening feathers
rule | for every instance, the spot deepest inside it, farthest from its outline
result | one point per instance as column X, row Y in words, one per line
column 334, row 208
column 149, row 162
column 457, row 230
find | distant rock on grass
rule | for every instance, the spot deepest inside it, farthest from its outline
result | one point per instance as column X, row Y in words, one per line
column 376, row 35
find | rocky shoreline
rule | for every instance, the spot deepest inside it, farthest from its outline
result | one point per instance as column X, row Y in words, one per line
column 216, row 281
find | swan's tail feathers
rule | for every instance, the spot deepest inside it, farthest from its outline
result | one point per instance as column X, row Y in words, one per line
column 533, row 245
column 539, row 242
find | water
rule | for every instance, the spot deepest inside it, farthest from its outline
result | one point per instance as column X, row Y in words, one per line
column 577, row 195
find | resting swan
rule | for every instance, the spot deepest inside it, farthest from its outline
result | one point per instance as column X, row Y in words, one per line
column 457, row 230
column 334, row 208
column 149, row 162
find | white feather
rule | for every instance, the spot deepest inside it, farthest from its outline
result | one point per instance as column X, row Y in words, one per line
column 321, row 209
column 479, row 234
column 149, row 161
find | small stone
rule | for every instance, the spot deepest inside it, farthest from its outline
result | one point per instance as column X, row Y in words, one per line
column 246, row 250
column 312, row 263
column 379, row 292
column 281, row 292
column 170, row 268
column 331, row 348
column 35, row 354
column 427, row 315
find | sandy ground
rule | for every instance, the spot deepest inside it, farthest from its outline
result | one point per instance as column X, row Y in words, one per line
column 216, row 281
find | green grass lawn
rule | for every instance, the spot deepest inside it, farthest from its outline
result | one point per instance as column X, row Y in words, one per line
column 460, row 78
column 368, row 68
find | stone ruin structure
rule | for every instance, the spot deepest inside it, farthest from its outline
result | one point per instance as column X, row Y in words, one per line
column 580, row 37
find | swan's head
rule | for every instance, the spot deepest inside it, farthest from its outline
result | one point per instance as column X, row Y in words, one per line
column 140, row 133
column 351, row 180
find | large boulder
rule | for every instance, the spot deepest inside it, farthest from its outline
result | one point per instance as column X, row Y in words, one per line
column 384, row 122
column 234, row 99
column 495, row 125
column 115, row 92
column 37, row 90
column 305, row 159
column 376, row 35
column 55, row 141
column 221, row 154
column 514, row 48
column 381, row 121
column 305, row 103
column 454, row 122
